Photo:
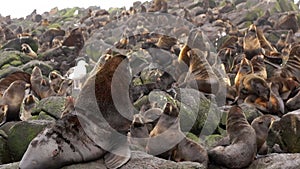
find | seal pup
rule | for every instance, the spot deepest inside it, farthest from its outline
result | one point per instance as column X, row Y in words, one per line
column 288, row 22
column 13, row 97
column 242, row 149
column 65, row 88
column 39, row 85
column 75, row 39
column 261, row 125
column 25, row 48
column 169, row 142
column 29, row 102
column 55, row 80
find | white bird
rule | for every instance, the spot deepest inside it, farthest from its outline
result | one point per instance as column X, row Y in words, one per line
column 78, row 73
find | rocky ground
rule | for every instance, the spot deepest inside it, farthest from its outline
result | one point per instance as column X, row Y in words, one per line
column 59, row 38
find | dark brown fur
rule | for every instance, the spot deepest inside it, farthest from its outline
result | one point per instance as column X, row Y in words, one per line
column 242, row 149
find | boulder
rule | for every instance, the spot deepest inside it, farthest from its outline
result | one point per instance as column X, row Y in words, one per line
column 286, row 132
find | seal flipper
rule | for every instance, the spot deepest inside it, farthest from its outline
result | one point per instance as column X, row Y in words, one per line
column 113, row 160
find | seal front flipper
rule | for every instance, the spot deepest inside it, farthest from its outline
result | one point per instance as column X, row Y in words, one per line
column 113, row 160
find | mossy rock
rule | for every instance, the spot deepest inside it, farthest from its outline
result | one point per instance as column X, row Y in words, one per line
column 45, row 68
column 4, row 151
column 286, row 132
column 17, row 42
column 211, row 140
column 21, row 134
column 250, row 112
column 9, row 57
column 44, row 116
column 287, row 5
column 53, row 106
column 198, row 114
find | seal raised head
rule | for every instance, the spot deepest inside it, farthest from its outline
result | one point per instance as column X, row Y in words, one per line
column 242, row 149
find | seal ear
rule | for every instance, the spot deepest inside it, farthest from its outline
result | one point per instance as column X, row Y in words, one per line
column 114, row 161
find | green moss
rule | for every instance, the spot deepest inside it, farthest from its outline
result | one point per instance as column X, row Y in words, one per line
column 16, row 63
column 211, row 140
column 193, row 137
column 70, row 12
column 20, row 136
column 4, row 152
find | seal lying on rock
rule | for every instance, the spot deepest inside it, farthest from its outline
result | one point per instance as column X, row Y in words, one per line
column 242, row 149
column 95, row 129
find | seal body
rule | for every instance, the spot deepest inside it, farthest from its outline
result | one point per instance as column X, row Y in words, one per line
column 242, row 149
column 62, row 144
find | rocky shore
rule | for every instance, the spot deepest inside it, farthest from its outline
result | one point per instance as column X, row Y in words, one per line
column 153, row 35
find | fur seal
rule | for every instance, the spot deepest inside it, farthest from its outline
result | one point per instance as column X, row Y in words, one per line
column 168, row 141
column 242, row 149
column 28, row 104
column 13, row 97
column 245, row 68
column 10, row 78
column 65, row 88
column 95, row 129
column 259, row 66
column 75, row 39
column 288, row 22
column 39, row 85
column 138, row 134
column 63, row 143
column 261, row 125
column 253, row 84
column 25, row 48
column 55, row 80
column 251, row 44
column 199, row 71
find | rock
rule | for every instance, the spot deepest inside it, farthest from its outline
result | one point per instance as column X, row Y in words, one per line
column 21, row 134
column 139, row 160
column 53, row 106
column 17, row 42
column 286, row 132
column 277, row 161
column 12, row 58
column 45, row 68
column 250, row 112
column 4, row 151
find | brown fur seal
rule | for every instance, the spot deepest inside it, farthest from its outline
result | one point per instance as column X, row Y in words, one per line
column 261, row 125
column 63, row 143
column 39, row 85
column 253, row 84
column 55, row 80
column 13, row 97
column 259, row 66
column 244, row 69
column 159, row 5
column 167, row 140
column 10, row 78
column 139, row 133
column 288, row 22
column 28, row 51
column 75, row 39
column 242, row 149
column 251, row 44
column 65, row 88
column 97, row 130
column 29, row 102
column 200, row 73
